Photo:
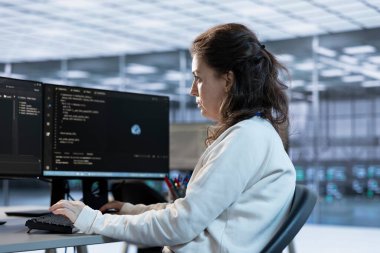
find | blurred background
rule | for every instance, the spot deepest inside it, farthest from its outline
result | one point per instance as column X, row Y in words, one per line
column 331, row 48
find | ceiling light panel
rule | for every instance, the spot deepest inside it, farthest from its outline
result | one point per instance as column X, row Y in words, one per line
column 325, row 17
column 286, row 21
column 9, row 11
column 332, row 72
column 353, row 78
column 193, row 22
column 295, row 6
column 166, row 14
column 150, row 23
column 228, row 16
column 262, row 29
column 369, row 66
column 280, row 2
column 277, row 36
column 36, row 6
column 134, row 6
column 374, row 2
column 348, row 6
column 326, row 51
column 341, row 26
column 233, row 4
column 203, row 9
column 362, row 13
column 361, row 49
column 76, row 5
column 303, row 29
column 348, row 59
column 20, row 20
column 375, row 59
column 255, row 11
column 329, row 2
column 315, row 13
column 370, row 84
column 140, row 8
column 369, row 22
column 282, row 17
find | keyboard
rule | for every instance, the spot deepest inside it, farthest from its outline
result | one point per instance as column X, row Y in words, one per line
column 51, row 222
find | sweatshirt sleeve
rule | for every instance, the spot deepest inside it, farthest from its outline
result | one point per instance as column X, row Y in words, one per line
column 132, row 209
column 222, row 175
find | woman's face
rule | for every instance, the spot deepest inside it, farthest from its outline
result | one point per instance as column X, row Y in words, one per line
column 209, row 89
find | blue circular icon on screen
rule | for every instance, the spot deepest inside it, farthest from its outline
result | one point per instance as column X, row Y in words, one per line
column 136, row 129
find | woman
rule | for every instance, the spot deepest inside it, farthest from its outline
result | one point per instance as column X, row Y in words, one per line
column 243, row 184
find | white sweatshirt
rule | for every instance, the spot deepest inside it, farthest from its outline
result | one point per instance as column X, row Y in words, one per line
column 237, row 197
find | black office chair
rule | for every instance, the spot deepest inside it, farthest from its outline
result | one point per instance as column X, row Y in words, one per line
column 136, row 192
column 303, row 203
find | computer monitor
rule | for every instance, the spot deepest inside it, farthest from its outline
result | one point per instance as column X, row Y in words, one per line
column 21, row 118
column 64, row 132
column 97, row 134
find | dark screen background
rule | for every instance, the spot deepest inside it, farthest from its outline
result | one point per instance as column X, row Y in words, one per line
column 93, row 130
column 20, row 128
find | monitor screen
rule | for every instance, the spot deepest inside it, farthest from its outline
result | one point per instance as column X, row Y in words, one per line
column 105, row 134
column 20, row 128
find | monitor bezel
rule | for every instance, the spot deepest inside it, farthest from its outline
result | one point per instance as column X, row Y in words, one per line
column 74, row 174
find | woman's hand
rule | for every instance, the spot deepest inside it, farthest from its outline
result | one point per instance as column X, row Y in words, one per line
column 70, row 209
column 114, row 205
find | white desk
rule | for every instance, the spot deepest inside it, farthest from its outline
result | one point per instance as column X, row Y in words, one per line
column 14, row 237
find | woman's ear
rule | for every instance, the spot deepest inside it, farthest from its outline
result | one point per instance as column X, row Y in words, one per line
column 230, row 80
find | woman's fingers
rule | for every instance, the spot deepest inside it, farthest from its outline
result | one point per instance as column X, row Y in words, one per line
column 111, row 205
column 70, row 209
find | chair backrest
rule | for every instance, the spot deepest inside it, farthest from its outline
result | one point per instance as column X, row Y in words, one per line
column 303, row 203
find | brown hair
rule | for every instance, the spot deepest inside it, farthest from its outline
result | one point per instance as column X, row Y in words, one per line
column 257, row 88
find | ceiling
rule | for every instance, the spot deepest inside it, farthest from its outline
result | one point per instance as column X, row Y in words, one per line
column 65, row 29
column 141, row 46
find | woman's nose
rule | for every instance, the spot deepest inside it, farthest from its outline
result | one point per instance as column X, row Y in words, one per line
column 194, row 90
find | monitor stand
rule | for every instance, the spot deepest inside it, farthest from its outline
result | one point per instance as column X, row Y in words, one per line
column 59, row 190
column 95, row 191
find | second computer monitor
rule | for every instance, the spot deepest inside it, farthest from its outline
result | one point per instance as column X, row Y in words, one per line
column 20, row 128
column 105, row 134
